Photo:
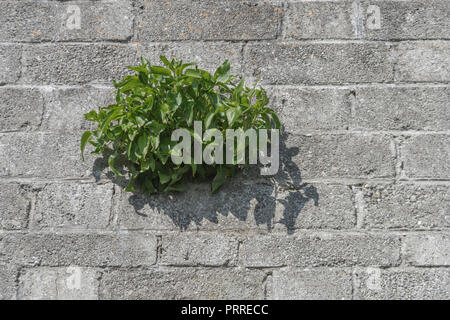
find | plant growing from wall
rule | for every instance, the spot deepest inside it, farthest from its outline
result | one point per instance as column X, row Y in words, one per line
column 154, row 102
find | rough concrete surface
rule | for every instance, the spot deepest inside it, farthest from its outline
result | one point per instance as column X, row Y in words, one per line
column 360, row 208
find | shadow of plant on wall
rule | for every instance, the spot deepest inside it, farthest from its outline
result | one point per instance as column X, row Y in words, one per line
column 299, row 194
column 253, row 200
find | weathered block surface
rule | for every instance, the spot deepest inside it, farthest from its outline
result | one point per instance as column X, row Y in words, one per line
column 316, row 206
column 190, row 249
column 320, row 20
column 73, row 206
column 79, row 249
column 183, row 284
column 428, row 250
column 312, row 109
column 405, row 206
column 10, row 67
column 46, row 155
column 15, row 206
column 77, row 63
column 426, row 156
column 8, row 287
column 208, row 55
column 71, row 283
column 203, row 20
column 20, row 109
column 402, row 284
column 398, row 20
column 320, row 250
column 292, row 63
column 423, row 61
column 402, row 20
column 338, row 155
column 240, row 205
column 66, row 107
column 312, row 284
column 35, row 21
column 404, row 108
column 358, row 210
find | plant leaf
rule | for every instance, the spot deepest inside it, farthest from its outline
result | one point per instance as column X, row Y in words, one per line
column 232, row 114
column 193, row 73
column 143, row 144
column 165, row 61
column 209, row 119
column 84, row 139
column 111, row 160
column 178, row 187
column 163, row 177
column 222, row 73
column 162, row 71
column 219, row 179
column 157, row 100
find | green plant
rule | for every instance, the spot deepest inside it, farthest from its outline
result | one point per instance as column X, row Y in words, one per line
column 154, row 102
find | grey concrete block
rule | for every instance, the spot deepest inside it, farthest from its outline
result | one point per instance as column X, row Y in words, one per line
column 405, row 206
column 8, row 286
column 239, row 205
column 426, row 156
column 66, row 107
column 316, row 206
column 312, row 284
column 79, row 249
column 71, row 283
column 403, row 284
column 423, row 61
column 102, row 63
column 73, row 206
column 20, row 109
column 77, row 63
column 320, row 250
column 10, row 64
column 338, row 155
column 45, row 155
column 189, row 283
column 401, row 20
column 401, row 108
column 208, row 55
column 15, row 206
column 428, row 250
column 320, row 20
column 34, row 21
column 333, row 63
column 194, row 249
column 311, row 108
column 207, row 20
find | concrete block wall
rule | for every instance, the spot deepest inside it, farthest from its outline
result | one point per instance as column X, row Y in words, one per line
column 360, row 208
